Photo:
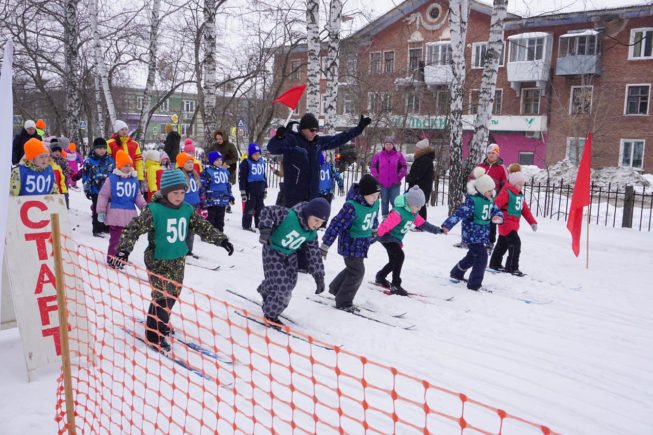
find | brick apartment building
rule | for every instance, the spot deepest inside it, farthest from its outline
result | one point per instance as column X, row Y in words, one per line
column 560, row 76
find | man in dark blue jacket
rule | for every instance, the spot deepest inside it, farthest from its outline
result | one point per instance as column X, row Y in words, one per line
column 301, row 155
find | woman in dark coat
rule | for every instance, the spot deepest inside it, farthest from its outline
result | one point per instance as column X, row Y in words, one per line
column 421, row 172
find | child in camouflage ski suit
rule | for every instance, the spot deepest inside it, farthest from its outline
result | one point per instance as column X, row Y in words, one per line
column 166, row 220
column 354, row 225
column 283, row 232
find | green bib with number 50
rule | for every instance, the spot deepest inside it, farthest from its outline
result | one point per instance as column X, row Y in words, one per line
column 290, row 235
column 364, row 220
column 515, row 204
column 407, row 219
column 482, row 210
column 170, row 230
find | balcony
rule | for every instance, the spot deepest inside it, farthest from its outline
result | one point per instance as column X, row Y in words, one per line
column 438, row 75
column 529, row 59
column 579, row 53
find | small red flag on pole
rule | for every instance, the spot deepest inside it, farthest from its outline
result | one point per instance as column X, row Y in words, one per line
column 581, row 196
column 291, row 97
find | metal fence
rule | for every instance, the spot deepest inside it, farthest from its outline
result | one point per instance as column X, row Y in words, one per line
column 610, row 206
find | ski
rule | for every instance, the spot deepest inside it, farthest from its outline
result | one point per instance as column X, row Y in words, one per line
column 194, row 346
column 419, row 296
column 369, row 316
column 283, row 331
column 371, row 310
column 260, row 304
column 526, row 300
column 192, row 261
column 169, row 355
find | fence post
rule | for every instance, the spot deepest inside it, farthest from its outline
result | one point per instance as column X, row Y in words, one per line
column 629, row 206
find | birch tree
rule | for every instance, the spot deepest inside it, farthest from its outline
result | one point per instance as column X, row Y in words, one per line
column 155, row 21
column 209, row 94
column 101, row 75
column 488, row 86
column 313, row 45
column 73, row 102
column 332, row 68
column 458, row 17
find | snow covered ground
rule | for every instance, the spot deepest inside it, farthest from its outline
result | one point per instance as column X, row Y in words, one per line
column 581, row 361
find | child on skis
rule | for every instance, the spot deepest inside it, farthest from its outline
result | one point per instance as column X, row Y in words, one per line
column 215, row 181
column 186, row 163
column 392, row 231
column 253, row 186
column 354, row 225
column 476, row 214
column 284, row 231
column 97, row 167
column 512, row 203
column 33, row 175
column 118, row 199
column 329, row 176
column 166, row 220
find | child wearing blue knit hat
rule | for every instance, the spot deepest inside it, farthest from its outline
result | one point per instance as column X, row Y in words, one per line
column 215, row 181
column 253, row 186
column 167, row 220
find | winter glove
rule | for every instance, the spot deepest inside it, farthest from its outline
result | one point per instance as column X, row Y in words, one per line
column 243, row 195
column 232, row 201
column 319, row 282
column 497, row 220
column 281, row 132
column 364, row 122
column 101, row 217
column 534, row 227
column 226, row 244
column 324, row 250
column 264, row 237
column 118, row 262
column 265, row 193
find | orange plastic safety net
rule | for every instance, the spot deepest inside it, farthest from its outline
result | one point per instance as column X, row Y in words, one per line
column 228, row 373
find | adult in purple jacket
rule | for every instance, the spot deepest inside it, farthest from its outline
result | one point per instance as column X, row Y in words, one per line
column 388, row 166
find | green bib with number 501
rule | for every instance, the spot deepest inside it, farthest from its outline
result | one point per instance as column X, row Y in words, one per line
column 170, row 230
column 515, row 204
column 482, row 210
column 290, row 235
column 407, row 219
column 364, row 220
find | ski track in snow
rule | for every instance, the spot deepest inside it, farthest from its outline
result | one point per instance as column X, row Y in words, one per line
column 580, row 364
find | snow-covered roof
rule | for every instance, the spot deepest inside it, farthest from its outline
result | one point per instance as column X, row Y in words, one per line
column 587, row 32
column 530, row 35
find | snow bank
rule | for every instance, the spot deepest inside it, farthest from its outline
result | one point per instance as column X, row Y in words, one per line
column 565, row 171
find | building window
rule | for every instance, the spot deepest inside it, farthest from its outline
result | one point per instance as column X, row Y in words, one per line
column 637, row 98
column 526, row 158
column 414, row 59
column 631, row 153
column 352, row 68
column 412, row 104
column 388, row 62
column 387, row 102
column 530, row 102
column 375, row 63
column 185, row 130
column 438, row 53
column 641, row 43
column 434, row 12
column 475, row 97
column 139, row 103
column 189, row 106
column 347, row 105
column 526, row 49
column 374, row 102
column 442, row 103
column 575, row 147
column 164, row 106
column 580, row 100
column 479, row 51
column 584, row 45
column 294, row 70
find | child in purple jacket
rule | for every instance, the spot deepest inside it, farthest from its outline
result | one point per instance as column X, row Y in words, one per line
column 388, row 166
column 118, row 196
column 355, row 226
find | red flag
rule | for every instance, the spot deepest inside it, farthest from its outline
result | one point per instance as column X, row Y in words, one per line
column 581, row 196
column 291, row 97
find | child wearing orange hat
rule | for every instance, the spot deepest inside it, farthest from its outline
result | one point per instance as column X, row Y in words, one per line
column 118, row 199
column 33, row 175
column 186, row 163
column 40, row 127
